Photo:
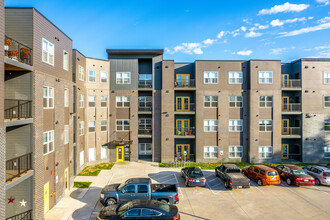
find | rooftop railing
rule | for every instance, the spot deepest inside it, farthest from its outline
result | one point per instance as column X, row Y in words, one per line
column 18, row 51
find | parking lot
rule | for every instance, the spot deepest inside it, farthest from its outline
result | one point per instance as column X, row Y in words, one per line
column 217, row 202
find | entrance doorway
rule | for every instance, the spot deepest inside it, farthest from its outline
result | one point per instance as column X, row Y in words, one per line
column 120, row 153
column 285, row 151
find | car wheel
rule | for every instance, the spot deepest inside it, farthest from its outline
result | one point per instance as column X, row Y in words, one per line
column 243, row 173
column 216, row 174
column 163, row 200
column 288, row 181
column 226, row 184
column 317, row 182
column 187, row 183
column 111, row 202
column 259, row 182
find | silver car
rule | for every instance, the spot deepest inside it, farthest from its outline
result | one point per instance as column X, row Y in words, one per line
column 320, row 174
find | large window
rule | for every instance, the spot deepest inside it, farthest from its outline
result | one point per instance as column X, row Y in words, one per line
column 81, row 101
column 265, row 125
column 235, row 151
column 210, row 77
column 91, row 154
column 327, row 151
column 91, row 126
column 145, row 149
column 66, row 97
column 210, row 101
column 265, row 77
column 122, row 125
column 48, row 52
column 326, row 101
column 235, row 125
column 81, row 73
column 66, row 60
column 210, row 152
column 236, row 101
column 104, row 152
column 103, row 76
column 104, row 125
column 91, row 101
column 91, row 76
column 81, row 128
column 122, row 101
column 327, row 125
column 48, row 142
column 210, row 125
column 265, row 152
column 145, row 103
column 123, row 78
column 326, row 77
column 265, row 101
column 66, row 134
column 48, row 97
column 104, row 101
column 235, row 77
column 145, row 126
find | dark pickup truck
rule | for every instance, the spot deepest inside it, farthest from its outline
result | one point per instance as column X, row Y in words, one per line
column 138, row 188
column 232, row 176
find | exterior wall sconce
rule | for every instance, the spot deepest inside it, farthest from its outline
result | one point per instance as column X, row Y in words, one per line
column 57, row 164
column 56, row 38
column 256, row 66
column 167, row 139
column 257, row 115
column 166, row 66
column 256, row 139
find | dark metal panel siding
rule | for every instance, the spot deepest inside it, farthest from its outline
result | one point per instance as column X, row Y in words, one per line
column 124, row 65
column 18, row 141
column 19, row 25
column 185, row 68
column 18, row 85
column 157, row 72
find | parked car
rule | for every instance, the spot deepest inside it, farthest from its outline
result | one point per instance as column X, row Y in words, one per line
column 294, row 175
column 140, row 209
column 193, row 176
column 138, row 188
column 325, row 165
column 263, row 175
column 232, row 176
column 320, row 174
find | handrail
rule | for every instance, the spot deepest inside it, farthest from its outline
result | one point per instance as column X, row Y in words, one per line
column 20, row 164
column 184, row 83
column 145, row 131
column 18, row 51
column 291, row 83
column 191, row 108
column 291, row 107
column 22, row 216
column 291, row 131
column 20, row 109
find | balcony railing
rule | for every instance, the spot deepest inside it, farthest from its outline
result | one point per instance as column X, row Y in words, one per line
column 293, row 107
column 291, row 131
column 145, row 80
column 186, row 131
column 145, row 109
column 145, row 131
column 186, row 108
column 17, row 166
column 17, row 109
column 22, row 216
column 18, row 51
column 187, row 83
column 291, row 83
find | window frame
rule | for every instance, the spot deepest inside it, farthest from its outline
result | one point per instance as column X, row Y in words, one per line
column 81, row 101
column 81, row 73
column 146, row 152
column 324, row 125
column 92, row 102
column 49, row 45
column 240, row 79
column 65, row 53
column 262, row 72
column 66, row 97
column 324, row 78
column 265, row 158
column 89, row 127
column 211, row 101
column 123, row 125
column 266, row 96
column 89, row 71
column 106, row 125
column 210, row 125
column 89, row 154
column 211, row 152
column 81, row 128
column 208, row 83
column 121, row 81
column 106, row 152
column 235, row 101
column 48, row 142
column 326, row 152
column 266, row 125
column 48, row 97
column 236, row 126
column 101, row 78
column 236, row 151
column 66, row 134
column 123, row 102
column 324, row 106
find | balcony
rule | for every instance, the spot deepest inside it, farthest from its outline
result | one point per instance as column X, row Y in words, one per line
column 291, row 83
column 291, row 107
column 187, row 107
column 17, row 51
column 18, row 109
column 185, row 131
column 24, row 215
column 145, row 81
column 291, row 131
column 145, row 132
column 145, row 109
column 17, row 166
column 187, row 83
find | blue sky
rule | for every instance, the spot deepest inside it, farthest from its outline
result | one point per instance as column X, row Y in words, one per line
column 191, row 30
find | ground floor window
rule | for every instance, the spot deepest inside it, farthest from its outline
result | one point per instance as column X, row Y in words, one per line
column 210, row 152
column 235, row 151
column 82, row 158
column 265, row 152
column 145, row 149
column 104, row 152
column 327, row 151
column 91, row 154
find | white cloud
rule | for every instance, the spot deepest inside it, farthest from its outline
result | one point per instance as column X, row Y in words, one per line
column 188, row 48
column 244, row 52
column 262, row 27
column 221, row 34
column 286, row 7
column 322, row 47
column 306, row 30
column 277, row 22
column 246, row 20
column 198, row 51
column 243, row 28
column 253, row 29
column 324, row 2
column 253, row 34
column 324, row 20
column 279, row 51
column 209, row 41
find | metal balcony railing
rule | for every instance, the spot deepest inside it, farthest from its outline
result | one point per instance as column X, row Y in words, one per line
column 291, row 83
column 185, row 107
column 18, row 51
column 17, row 109
column 145, row 109
column 185, row 131
column 292, row 107
column 145, row 131
column 22, row 216
column 17, row 166
column 291, row 131
column 186, row 83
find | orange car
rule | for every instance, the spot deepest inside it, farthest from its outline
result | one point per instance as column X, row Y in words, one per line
column 263, row 175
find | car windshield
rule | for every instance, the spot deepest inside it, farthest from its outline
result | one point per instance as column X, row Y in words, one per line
column 121, row 186
column 233, row 171
column 196, row 173
column 299, row 172
column 125, row 207
column 272, row 173
column 164, row 206
column 327, row 174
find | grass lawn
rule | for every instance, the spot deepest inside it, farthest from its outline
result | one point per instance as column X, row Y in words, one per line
column 211, row 166
column 81, row 184
column 95, row 169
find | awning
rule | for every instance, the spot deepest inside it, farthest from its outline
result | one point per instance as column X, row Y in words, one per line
column 120, row 142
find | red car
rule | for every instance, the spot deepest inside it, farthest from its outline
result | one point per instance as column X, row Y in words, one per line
column 294, row 175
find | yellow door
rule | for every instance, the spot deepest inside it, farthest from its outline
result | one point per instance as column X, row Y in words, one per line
column 285, row 80
column 285, row 103
column 183, row 79
column 285, row 151
column 120, row 153
column 182, row 104
column 285, row 126
column 182, row 125
column 181, row 148
column 66, row 179
column 46, row 197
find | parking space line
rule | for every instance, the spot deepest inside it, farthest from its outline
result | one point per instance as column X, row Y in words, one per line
column 212, row 180
column 257, row 187
column 321, row 190
column 180, row 193
column 164, row 176
column 217, row 185
column 177, row 182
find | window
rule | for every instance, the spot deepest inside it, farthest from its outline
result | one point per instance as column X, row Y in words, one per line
column 145, row 149
column 91, row 101
column 47, row 52
column 66, row 134
column 65, row 60
column 235, row 151
column 142, row 189
column 210, row 152
column 210, row 101
column 82, row 157
column 104, row 152
column 150, row 212
column 122, row 125
column 327, row 151
column 265, row 101
column 122, row 101
column 66, row 97
column 235, row 125
column 236, row 101
column 91, row 154
column 48, row 97
column 81, row 128
column 326, row 78
column 235, row 78
column 123, row 78
column 104, row 101
column 265, row 152
column 91, row 76
column 103, row 76
column 81, row 101
column 145, row 103
column 326, row 101
column 48, row 142
column 132, row 213
column 91, row 126
column 81, row 73
column 210, row 125
column 104, row 125
column 145, row 126
column 327, row 125
column 265, row 77
column 210, row 77
column 265, row 125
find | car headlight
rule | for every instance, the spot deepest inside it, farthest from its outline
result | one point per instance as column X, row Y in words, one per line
column 102, row 196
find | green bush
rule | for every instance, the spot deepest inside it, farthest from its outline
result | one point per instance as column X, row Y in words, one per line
column 81, row 184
